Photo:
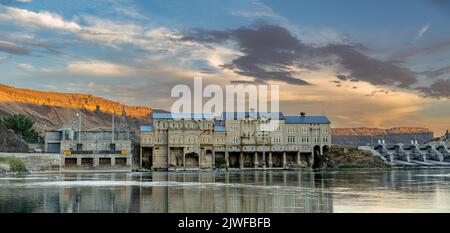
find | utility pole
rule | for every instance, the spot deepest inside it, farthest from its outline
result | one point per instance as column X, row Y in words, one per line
column 114, row 113
column 264, row 149
column 79, row 127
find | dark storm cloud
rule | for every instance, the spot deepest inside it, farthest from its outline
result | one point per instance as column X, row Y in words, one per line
column 342, row 77
column 432, row 74
column 368, row 69
column 256, row 81
column 270, row 50
column 411, row 52
column 439, row 89
column 8, row 47
column 265, row 47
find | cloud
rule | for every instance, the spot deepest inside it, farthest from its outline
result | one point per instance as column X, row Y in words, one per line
column 432, row 74
column 371, row 70
column 8, row 47
column 26, row 66
column 146, row 68
column 36, row 19
column 314, row 36
column 413, row 52
column 97, row 30
column 422, row 31
column 271, row 52
column 439, row 89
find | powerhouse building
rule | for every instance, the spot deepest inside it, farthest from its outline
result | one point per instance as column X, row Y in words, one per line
column 241, row 140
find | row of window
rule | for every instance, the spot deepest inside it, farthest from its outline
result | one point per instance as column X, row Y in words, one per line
column 290, row 140
column 235, row 140
column 188, row 125
column 290, row 130
column 180, row 140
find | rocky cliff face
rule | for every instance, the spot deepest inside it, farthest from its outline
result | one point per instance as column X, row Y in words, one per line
column 51, row 110
column 68, row 100
column 364, row 136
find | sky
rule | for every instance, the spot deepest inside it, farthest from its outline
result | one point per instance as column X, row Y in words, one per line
column 362, row 63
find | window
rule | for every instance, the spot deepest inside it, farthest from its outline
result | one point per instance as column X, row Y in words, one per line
column 304, row 130
column 276, row 140
column 316, row 130
column 325, row 139
column 291, row 130
column 305, row 140
column 236, row 128
column 325, row 131
column 291, row 139
column 316, row 139
column 234, row 139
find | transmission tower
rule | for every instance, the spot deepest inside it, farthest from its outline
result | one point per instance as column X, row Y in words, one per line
column 123, row 124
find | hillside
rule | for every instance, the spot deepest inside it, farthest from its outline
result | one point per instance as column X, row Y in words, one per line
column 51, row 110
column 364, row 136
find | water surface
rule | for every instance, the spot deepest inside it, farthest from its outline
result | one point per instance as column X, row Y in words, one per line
column 219, row 192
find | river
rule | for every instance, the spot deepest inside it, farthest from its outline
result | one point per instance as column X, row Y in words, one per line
column 424, row 190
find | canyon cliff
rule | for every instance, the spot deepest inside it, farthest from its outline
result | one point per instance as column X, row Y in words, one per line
column 53, row 110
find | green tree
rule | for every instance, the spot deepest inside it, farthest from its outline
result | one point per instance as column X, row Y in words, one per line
column 22, row 126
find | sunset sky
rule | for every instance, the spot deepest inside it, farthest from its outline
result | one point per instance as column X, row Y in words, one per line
column 362, row 63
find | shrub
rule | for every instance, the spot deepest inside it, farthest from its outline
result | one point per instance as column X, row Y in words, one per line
column 23, row 126
column 15, row 164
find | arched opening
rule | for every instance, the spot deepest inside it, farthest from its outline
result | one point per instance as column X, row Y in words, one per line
column 191, row 160
column 220, row 160
column 316, row 157
column 207, row 159
column 233, row 159
column 147, row 157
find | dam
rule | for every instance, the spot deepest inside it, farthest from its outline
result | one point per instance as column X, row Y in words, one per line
column 433, row 154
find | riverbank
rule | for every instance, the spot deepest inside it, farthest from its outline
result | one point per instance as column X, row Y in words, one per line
column 352, row 158
column 11, row 164
column 29, row 162
column 339, row 158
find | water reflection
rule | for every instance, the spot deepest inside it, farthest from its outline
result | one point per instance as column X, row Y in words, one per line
column 219, row 192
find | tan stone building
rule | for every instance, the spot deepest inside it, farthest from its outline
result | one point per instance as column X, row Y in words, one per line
column 235, row 140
